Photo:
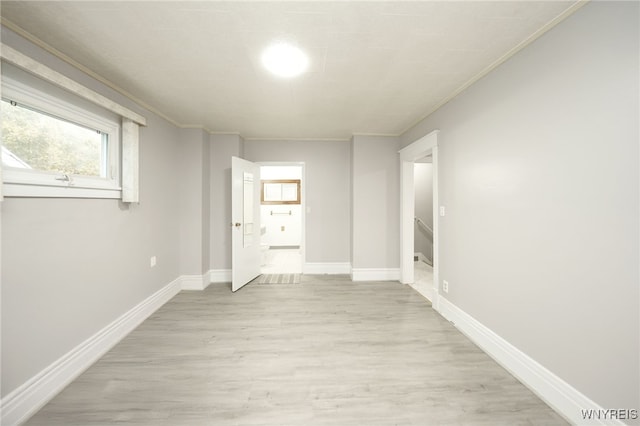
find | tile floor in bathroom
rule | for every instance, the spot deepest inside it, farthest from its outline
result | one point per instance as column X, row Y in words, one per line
column 282, row 261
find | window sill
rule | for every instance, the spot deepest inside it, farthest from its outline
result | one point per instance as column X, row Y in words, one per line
column 35, row 191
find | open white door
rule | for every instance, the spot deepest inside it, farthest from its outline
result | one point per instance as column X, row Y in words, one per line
column 245, row 213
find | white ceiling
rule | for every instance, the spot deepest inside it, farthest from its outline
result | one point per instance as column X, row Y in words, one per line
column 376, row 67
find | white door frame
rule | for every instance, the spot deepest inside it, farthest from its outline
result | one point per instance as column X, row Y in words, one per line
column 427, row 145
column 303, row 196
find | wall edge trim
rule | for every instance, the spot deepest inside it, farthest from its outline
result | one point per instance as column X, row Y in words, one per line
column 219, row 276
column 23, row 402
column 194, row 282
column 375, row 274
column 558, row 394
column 329, row 268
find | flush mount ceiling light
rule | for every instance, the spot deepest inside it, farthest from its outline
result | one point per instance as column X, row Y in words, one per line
column 285, row 60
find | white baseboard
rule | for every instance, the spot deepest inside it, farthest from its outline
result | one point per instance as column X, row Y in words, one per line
column 422, row 258
column 561, row 396
column 220, row 275
column 426, row 292
column 375, row 274
column 334, row 268
column 27, row 399
column 194, row 282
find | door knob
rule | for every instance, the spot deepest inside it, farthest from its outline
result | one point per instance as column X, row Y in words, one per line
column 238, row 224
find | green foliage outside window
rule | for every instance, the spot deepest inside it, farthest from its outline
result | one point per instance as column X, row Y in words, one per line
column 51, row 144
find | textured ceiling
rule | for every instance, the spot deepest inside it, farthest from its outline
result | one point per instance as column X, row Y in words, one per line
column 376, row 67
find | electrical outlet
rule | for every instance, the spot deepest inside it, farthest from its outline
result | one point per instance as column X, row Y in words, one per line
column 153, row 261
column 442, row 211
column 282, row 228
column 445, row 286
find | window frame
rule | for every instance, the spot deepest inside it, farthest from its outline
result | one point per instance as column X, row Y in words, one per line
column 264, row 182
column 39, row 183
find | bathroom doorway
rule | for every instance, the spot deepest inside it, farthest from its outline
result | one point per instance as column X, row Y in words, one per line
column 282, row 218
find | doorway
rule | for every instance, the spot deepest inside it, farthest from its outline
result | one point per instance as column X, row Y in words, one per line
column 423, row 224
column 282, row 218
column 426, row 146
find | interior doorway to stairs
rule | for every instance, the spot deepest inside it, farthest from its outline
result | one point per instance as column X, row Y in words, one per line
column 409, row 155
column 423, row 224
column 282, row 218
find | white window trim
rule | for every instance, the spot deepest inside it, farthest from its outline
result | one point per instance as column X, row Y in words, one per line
column 131, row 123
column 38, row 183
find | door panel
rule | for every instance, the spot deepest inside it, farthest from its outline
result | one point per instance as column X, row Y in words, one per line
column 245, row 214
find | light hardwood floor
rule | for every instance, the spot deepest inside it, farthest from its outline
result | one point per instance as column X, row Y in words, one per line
column 326, row 351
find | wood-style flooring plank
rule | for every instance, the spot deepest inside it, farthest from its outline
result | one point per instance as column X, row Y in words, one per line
column 325, row 351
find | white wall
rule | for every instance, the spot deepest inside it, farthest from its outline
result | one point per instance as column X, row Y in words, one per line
column 423, row 186
column 375, row 197
column 327, row 185
column 539, row 174
column 281, row 172
column 72, row 266
column 283, row 222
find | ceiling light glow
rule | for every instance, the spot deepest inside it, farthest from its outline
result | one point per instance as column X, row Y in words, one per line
column 285, row 60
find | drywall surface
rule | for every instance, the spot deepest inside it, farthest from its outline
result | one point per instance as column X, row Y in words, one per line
column 538, row 170
column 72, row 266
column 222, row 148
column 193, row 184
column 327, row 183
column 376, row 202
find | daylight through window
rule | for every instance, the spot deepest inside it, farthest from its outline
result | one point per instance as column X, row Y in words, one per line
column 36, row 140
column 54, row 146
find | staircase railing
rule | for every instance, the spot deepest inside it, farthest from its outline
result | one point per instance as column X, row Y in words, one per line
column 427, row 228
column 423, row 225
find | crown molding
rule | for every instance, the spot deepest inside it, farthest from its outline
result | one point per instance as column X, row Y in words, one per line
column 55, row 52
column 524, row 43
column 65, row 58
column 289, row 139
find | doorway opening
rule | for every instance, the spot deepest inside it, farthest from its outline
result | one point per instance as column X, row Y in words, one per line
column 410, row 221
column 282, row 218
column 423, row 224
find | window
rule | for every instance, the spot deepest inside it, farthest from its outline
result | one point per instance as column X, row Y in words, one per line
column 280, row 191
column 55, row 147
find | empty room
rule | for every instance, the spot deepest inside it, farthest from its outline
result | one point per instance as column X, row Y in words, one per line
column 320, row 213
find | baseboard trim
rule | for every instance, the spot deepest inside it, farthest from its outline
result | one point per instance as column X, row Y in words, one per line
column 27, row 399
column 220, row 275
column 423, row 258
column 375, row 274
column 194, row 282
column 561, row 396
column 426, row 292
column 330, row 268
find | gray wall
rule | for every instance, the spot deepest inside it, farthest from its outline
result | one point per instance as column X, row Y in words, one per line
column 423, row 183
column 193, row 190
column 223, row 147
column 72, row 266
column 539, row 174
column 327, row 183
column 376, row 202
column 205, row 217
